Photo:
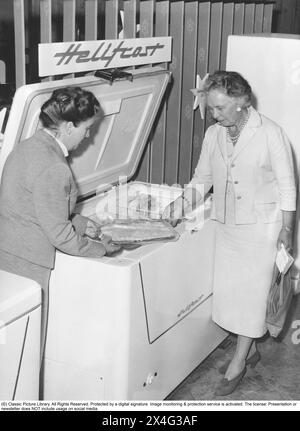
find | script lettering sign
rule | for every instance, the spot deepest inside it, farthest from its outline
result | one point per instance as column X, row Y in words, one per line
column 84, row 56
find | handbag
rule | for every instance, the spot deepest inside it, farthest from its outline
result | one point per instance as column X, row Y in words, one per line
column 279, row 300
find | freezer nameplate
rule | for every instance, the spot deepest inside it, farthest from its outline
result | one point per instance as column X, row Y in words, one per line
column 174, row 282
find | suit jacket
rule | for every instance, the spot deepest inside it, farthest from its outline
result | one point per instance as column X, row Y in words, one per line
column 261, row 169
column 37, row 199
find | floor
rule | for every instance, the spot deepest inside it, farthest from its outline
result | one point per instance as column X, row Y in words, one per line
column 275, row 377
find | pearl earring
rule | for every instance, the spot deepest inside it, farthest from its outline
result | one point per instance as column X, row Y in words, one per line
column 238, row 109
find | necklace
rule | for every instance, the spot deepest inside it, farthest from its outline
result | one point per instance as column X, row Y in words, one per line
column 235, row 138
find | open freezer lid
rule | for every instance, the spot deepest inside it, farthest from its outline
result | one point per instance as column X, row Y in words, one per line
column 116, row 144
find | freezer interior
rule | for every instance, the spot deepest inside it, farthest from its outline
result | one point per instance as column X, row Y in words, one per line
column 135, row 201
column 140, row 201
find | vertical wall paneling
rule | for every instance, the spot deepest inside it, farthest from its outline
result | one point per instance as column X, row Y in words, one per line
column 147, row 9
column 227, row 29
column 46, row 25
column 174, row 100
column 249, row 18
column 202, row 69
column 32, row 37
column 69, row 8
column 130, row 18
column 131, row 10
column 111, row 19
column 45, row 16
column 90, row 21
column 214, row 43
column 69, row 11
column 215, row 36
column 101, row 20
column 19, row 27
column 238, row 23
column 297, row 18
column 286, row 16
column 188, row 80
column 267, row 22
column 258, row 20
column 159, row 129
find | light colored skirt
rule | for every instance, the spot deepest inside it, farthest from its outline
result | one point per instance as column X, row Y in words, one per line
column 244, row 261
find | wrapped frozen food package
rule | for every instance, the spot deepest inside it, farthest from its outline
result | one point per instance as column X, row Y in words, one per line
column 139, row 231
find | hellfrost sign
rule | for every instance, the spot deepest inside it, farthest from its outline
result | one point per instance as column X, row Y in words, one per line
column 71, row 57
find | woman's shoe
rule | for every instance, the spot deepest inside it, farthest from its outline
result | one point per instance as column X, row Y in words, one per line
column 252, row 361
column 226, row 387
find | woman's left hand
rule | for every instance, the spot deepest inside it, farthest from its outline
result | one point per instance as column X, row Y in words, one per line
column 285, row 238
column 93, row 229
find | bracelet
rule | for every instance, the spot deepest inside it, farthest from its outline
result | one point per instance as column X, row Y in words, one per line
column 287, row 228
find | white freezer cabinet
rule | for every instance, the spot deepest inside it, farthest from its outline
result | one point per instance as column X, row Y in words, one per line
column 133, row 326
column 20, row 322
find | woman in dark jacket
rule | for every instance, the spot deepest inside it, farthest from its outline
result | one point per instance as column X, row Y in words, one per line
column 38, row 193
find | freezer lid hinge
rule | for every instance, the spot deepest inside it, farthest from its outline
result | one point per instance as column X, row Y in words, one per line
column 112, row 74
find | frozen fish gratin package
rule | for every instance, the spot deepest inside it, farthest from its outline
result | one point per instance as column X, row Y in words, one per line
column 139, row 231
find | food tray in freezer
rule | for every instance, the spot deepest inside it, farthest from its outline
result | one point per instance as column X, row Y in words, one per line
column 127, row 232
column 135, row 201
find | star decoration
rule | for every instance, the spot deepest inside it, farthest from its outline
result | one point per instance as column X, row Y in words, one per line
column 199, row 94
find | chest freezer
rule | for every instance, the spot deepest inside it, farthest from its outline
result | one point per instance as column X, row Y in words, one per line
column 20, row 322
column 135, row 325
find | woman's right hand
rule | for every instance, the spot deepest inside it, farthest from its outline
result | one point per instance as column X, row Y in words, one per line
column 173, row 213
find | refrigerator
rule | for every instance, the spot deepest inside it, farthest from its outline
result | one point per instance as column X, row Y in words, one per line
column 20, row 326
column 271, row 64
column 132, row 326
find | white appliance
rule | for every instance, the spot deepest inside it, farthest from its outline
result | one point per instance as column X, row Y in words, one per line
column 271, row 64
column 20, row 322
column 135, row 325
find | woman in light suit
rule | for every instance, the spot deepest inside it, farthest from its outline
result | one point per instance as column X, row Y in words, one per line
column 247, row 159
